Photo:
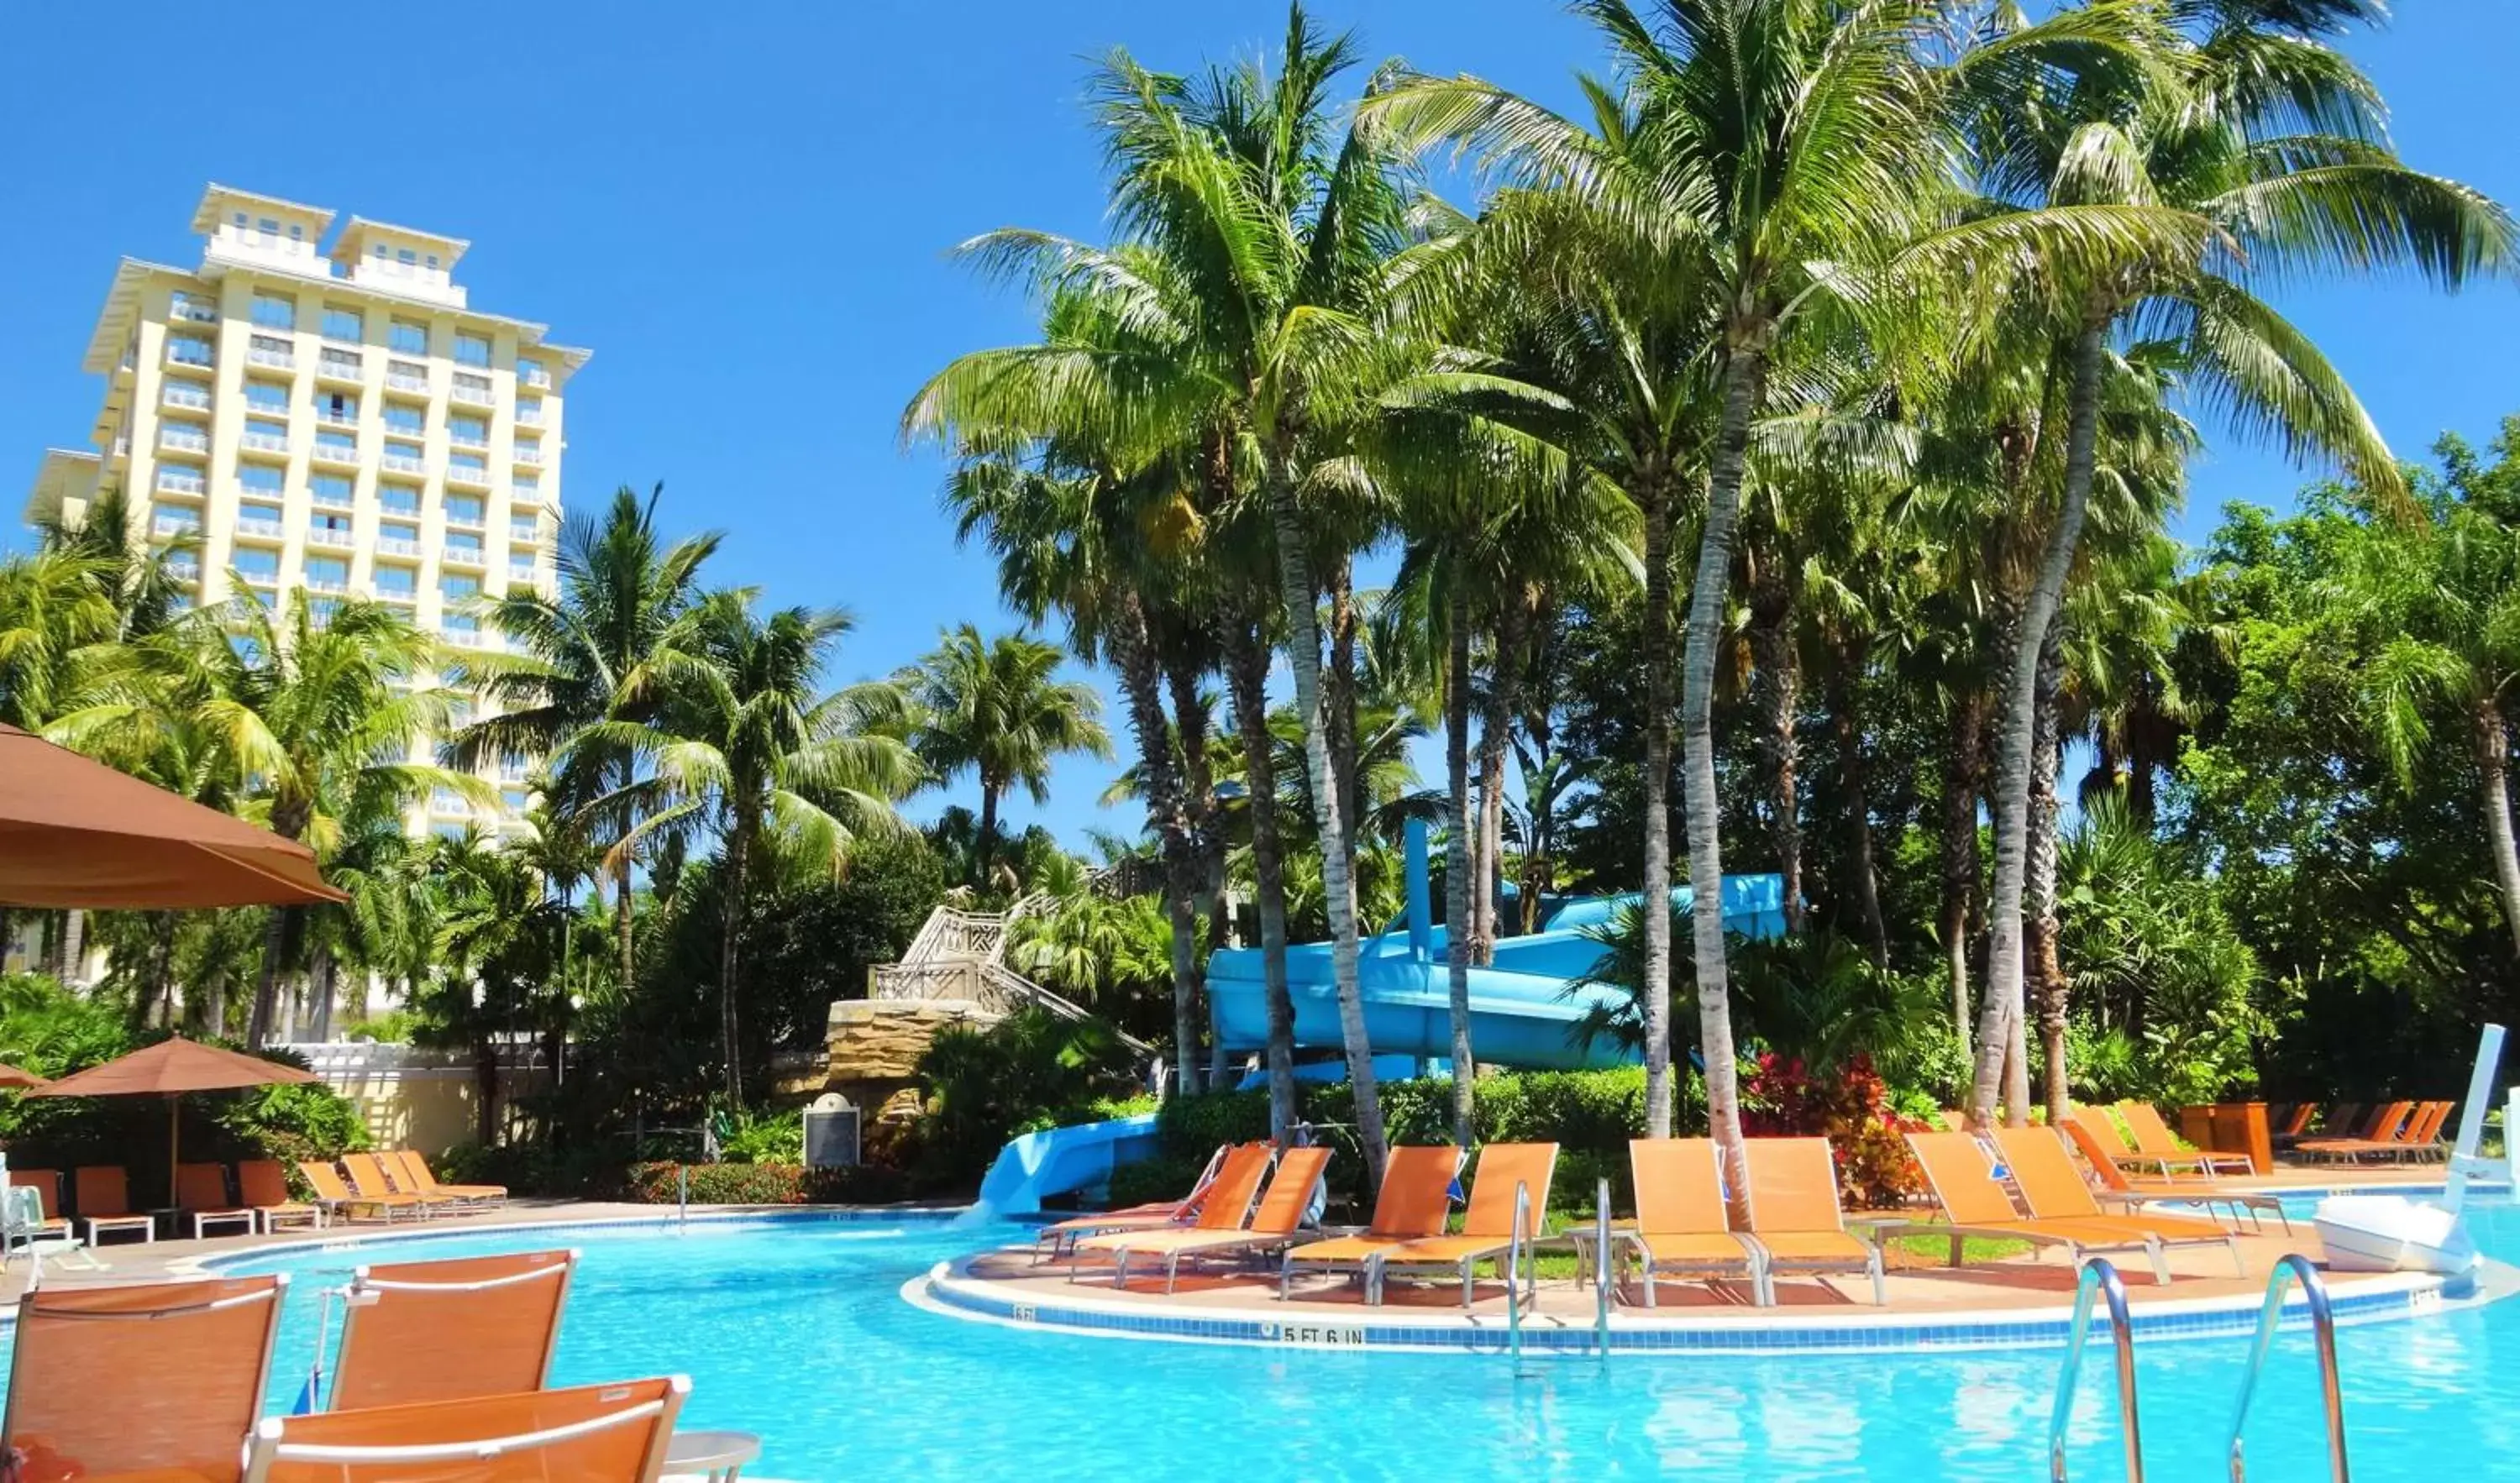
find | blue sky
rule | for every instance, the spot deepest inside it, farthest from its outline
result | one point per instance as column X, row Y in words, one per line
column 745, row 211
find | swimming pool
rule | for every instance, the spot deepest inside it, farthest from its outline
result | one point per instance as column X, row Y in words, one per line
column 797, row 1330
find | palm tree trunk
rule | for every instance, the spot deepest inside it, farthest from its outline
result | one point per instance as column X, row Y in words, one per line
column 1248, row 674
column 2001, row 1016
column 739, row 852
column 1457, row 884
column 1741, row 377
column 1329, row 807
column 1655, row 643
column 1340, row 688
column 2493, row 761
column 162, row 967
column 1140, row 683
column 1846, row 723
column 623, row 913
column 2045, row 967
column 988, row 836
column 1771, row 650
column 1203, row 862
column 74, row 969
column 1495, row 730
column 323, row 989
column 266, row 989
column 1961, row 865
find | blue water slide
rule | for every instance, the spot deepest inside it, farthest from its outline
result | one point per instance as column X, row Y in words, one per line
column 1524, row 1007
column 1062, row 1161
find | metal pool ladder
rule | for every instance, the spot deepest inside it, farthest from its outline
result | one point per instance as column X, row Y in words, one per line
column 1518, row 1263
column 2295, row 1268
column 2099, row 1279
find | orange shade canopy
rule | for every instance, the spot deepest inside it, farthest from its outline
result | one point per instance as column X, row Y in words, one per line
column 172, row 1067
column 76, row 834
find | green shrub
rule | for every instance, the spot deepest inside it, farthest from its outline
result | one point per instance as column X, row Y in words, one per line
column 663, row 1184
column 1029, row 1071
column 769, row 1137
column 392, row 1027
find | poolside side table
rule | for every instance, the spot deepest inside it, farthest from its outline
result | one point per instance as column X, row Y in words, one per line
column 718, row 1456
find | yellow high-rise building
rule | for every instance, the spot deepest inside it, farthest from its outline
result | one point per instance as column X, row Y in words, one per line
column 340, row 421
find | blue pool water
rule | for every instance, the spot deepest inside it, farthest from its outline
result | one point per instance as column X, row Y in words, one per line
column 797, row 1331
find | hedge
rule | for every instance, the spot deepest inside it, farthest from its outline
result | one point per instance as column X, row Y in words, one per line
column 657, row 1183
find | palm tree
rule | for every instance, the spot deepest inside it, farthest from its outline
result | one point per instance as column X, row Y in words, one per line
column 2274, row 146
column 626, row 596
column 747, row 746
column 993, row 707
column 320, row 707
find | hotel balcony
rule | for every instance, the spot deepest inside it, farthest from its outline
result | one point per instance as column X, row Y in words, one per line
column 332, row 365
column 339, row 540
column 169, row 525
column 470, row 478
column 395, row 463
column 525, row 532
column 330, row 586
column 525, row 575
column 537, row 379
column 464, row 637
column 467, row 439
column 332, row 419
column 270, row 443
column 404, row 380
column 393, row 546
column 336, row 454
column 277, row 360
column 330, row 500
column 184, row 569
column 470, row 558
column 529, row 458
column 174, row 438
column 472, row 396
column 529, row 417
column 190, row 356
column 260, row 530
column 194, row 313
column 179, row 481
column 184, row 394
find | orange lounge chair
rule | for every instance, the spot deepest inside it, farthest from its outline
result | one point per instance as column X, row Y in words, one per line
column 475, row 1326
column 2378, row 1137
column 2134, row 1190
column 2423, row 1139
column 1487, row 1226
column 1275, row 1224
column 1974, row 1202
column 1796, row 1220
column 2054, row 1191
column 1227, row 1202
column 613, row 1433
column 2155, row 1143
column 202, row 1193
column 1682, row 1227
column 339, row 1198
column 262, row 1185
column 368, row 1179
column 105, row 1204
column 1058, row 1237
column 1413, row 1202
column 47, row 1185
column 412, row 1172
column 157, row 1380
column 2295, row 1123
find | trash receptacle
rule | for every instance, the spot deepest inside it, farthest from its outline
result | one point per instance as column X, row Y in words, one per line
column 831, row 1133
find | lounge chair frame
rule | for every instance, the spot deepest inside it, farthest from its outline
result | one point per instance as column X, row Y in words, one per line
column 1243, row 1244
column 1770, row 1263
column 269, row 1446
column 124, row 1219
column 2037, row 1233
column 2012, row 1143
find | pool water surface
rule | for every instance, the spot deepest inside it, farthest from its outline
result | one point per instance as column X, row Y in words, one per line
column 797, row 1330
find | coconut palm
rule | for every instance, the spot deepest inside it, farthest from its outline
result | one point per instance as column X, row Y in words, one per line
column 749, row 748
column 993, row 707
column 590, row 653
column 2274, row 146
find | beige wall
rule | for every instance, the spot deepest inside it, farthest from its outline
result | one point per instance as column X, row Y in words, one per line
column 415, row 1099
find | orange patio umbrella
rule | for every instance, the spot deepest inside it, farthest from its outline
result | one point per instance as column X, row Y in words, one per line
column 77, row 835
column 169, row 1069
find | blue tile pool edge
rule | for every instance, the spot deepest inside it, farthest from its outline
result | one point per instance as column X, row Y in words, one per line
column 949, row 1290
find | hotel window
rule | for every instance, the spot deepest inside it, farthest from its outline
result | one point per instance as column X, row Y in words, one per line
column 340, row 523
column 408, row 338
column 463, row 510
column 269, row 513
column 530, row 371
column 344, row 324
column 528, row 483
column 397, row 499
column 462, row 624
column 255, row 562
column 337, row 444
column 405, row 257
column 464, row 545
column 271, row 344
column 471, row 349
column 475, row 387
column 459, row 589
column 275, row 311
column 328, row 569
column 409, row 451
column 186, row 305
column 394, row 532
column 161, row 516
column 468, row 429
column 329, row 489
column 267, row 396
column 339, row 406
column 529, row 450
column 513, row 798
column 263, row 427
column 402, row 418
column 258, row 479
column 467, row 463
column 188, row 350
column 397, row 582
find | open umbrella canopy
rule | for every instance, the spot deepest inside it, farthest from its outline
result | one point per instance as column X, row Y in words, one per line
column 174, row 1066
column 18, row 1078
column 76, row 834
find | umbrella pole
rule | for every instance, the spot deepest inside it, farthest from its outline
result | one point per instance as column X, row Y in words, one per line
column 174, row 1132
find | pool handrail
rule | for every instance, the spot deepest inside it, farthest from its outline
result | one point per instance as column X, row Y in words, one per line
column 1517, row 1256
column 2098, row 1279
column 1602, row 1267
column 2295, row 1268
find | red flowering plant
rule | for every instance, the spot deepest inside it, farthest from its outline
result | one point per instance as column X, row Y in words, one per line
column 1850, row 1108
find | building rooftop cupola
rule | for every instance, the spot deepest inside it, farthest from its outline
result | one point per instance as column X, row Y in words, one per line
column 264, row 230
column 400, row 259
